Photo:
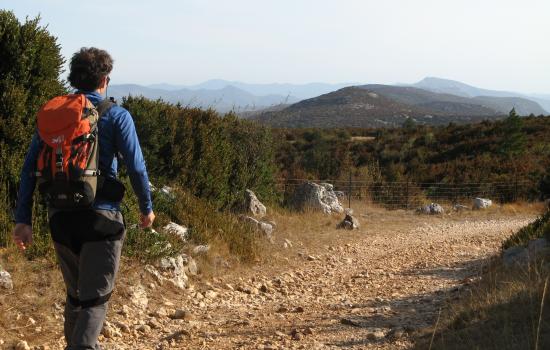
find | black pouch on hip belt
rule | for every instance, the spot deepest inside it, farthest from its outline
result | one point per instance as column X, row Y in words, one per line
column 110, row 189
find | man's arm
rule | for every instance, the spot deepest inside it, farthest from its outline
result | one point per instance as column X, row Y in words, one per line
column 127, row 143
column 22, row 233
column 23, row 212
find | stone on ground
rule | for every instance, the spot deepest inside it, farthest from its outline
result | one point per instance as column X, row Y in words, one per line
column 138, row 296
column 264, row 227
column 254, row 205
column 180, row 231
column 350, row 222
column 431, row 209
column 5, row 279
column 310, row 195
column 482, row 203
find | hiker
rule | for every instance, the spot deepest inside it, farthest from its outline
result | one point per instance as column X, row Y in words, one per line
column 87, row 230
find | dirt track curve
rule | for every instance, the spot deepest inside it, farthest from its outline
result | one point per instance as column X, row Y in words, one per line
column 369, row 293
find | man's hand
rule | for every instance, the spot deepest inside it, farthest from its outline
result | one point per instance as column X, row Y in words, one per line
column 147, row 220
column 22, row 235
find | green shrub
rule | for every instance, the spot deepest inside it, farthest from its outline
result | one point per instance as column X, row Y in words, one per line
column 29, row 76
column 213, row 157
column 537, row 229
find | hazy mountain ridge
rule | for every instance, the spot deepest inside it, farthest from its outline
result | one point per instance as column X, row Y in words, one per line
column 225, row 99
column 523, row 102
column 298, row 91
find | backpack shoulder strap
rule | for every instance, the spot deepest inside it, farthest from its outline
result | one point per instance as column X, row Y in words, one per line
column 104, row 106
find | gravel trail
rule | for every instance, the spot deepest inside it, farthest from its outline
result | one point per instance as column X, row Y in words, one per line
column 370, row 292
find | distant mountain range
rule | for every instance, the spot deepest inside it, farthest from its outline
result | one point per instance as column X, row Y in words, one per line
column 432, row 99
column 298, row 91
column 223, row 100
column 389, row 105
column 225, row 95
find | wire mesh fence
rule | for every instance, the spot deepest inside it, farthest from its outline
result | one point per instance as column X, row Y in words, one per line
column 410, row 195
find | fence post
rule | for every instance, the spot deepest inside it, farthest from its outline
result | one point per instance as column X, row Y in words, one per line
column 349, row 190
column 515, row 187
column 407, row 194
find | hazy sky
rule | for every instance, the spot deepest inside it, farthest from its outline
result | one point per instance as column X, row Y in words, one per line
column 497, row 44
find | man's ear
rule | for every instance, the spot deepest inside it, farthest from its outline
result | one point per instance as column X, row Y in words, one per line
column 103, row 83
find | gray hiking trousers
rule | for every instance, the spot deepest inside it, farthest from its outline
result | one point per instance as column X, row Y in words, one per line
column 89, row 258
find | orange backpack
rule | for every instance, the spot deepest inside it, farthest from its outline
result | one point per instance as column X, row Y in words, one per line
column 67, row 166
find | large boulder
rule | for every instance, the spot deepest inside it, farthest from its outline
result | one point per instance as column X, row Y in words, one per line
column 431, row 209
column 254, row 205
column 482, row 203
column 310, row 195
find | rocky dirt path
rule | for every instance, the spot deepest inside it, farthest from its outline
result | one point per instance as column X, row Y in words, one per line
column 369, row 293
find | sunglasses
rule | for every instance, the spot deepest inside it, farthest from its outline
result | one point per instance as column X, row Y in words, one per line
column 108, row 80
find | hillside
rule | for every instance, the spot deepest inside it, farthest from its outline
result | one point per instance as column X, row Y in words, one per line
column 426, row 97
column 388, row 106
column 379, row 106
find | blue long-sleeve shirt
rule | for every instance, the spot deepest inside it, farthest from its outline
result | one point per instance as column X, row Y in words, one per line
column 117, row 133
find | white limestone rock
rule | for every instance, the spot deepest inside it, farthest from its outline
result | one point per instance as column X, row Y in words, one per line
column 254, row 205
column 181, row 232
column 5, row 279
column 138, row 296
column 310, row 195
column 264, row 227
column 482, row 203
column 431, row 209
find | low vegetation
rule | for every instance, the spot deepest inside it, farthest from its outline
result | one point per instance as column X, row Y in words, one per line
column 514, row 152
column 506, row 309
column 539, row 228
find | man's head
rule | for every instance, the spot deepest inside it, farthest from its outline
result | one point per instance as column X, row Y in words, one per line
column 90, row 68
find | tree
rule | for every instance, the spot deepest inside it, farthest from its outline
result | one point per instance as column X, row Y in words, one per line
column 409, row 124
column 513, row 137
column 29, row 75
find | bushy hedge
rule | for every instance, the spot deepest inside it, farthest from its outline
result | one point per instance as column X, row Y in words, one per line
column 30, row 64
column 213, row 157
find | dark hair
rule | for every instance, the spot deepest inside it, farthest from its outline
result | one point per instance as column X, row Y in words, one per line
column 88, row 67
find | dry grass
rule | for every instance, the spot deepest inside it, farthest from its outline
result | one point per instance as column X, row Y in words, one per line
column 503, row 311
column 38, row 287
column 506, row 309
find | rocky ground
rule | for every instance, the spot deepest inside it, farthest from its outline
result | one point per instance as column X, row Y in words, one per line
column 370, row 289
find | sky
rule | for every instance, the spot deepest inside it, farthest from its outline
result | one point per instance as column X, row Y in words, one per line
column 495, row 44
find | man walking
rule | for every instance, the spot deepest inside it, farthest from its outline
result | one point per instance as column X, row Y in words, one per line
column 87, row 241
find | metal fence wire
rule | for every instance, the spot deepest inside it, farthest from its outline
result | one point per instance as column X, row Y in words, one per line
column 410, row 195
